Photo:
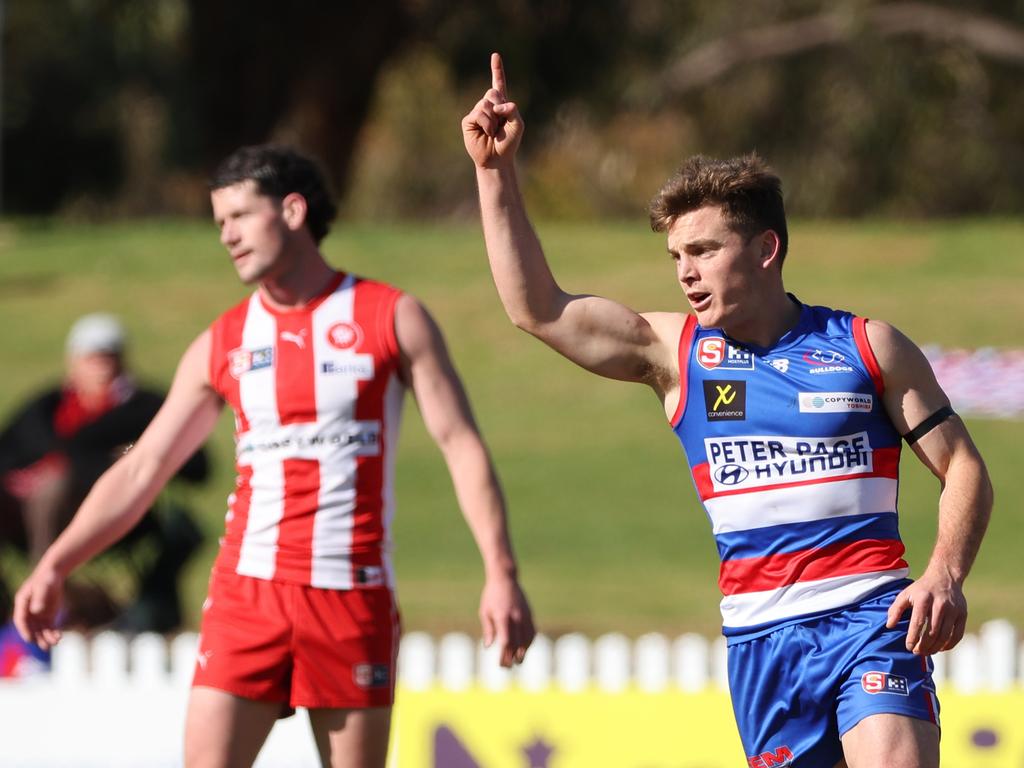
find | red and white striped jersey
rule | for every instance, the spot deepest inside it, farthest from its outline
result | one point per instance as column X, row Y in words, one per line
column 317, row 400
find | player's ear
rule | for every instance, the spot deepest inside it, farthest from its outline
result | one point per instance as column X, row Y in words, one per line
column 293, row 210
column 770, row 246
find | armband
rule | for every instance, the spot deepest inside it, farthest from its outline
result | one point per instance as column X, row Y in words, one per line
column 928, row 424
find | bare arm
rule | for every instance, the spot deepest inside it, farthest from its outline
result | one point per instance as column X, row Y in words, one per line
column 504, row 612
column 598, row 334
column 939, row 609
column 123, row 493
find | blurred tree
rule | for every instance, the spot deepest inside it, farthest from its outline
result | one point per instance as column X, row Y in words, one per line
column 560, row 49
column 115, row 106
column 900, row 108
column 106, row 96
column 302, row 72
column 60, row 111
column 869, row 108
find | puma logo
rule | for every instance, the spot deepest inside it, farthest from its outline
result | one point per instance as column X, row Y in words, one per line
column 298, row 339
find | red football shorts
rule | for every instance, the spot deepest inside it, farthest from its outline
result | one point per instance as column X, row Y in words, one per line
column 299, row 645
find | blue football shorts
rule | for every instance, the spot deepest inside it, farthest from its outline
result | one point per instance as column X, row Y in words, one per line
column 796, row 690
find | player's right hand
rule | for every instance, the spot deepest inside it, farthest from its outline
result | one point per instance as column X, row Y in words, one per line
column 36, row 606
column 493, row 128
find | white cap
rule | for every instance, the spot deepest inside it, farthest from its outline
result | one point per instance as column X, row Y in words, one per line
column 96, row 333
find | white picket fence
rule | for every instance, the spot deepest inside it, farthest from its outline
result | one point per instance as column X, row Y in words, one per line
column 109, row 689
column 992, row 660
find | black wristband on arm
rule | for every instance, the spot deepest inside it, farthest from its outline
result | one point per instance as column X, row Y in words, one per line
column 928, row 424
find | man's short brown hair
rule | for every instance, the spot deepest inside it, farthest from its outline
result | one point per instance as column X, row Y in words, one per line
column 746, row 189
column 278, row 170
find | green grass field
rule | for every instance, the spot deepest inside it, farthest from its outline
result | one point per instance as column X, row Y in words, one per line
column 605, row 520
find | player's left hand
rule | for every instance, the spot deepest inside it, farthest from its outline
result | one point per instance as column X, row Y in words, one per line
column 938, row 616
column 506, row 619
column 493, row 128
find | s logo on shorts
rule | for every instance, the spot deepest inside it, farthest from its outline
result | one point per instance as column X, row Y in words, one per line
column 883, row 682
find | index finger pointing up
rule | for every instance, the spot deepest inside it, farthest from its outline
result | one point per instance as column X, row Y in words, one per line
column 497, row 74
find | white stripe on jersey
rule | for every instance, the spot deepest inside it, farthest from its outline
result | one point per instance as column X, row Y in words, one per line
column 332, row 533
column 801, row 504
column 802, row 598
column 257, row 393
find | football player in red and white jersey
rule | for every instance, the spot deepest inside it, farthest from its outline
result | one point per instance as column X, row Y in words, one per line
column 314, row 364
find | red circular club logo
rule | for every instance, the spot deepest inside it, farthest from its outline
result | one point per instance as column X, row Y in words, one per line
column 710, row 352
column 344, row 335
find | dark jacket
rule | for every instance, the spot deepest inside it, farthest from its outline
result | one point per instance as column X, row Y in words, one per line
column 30, row 435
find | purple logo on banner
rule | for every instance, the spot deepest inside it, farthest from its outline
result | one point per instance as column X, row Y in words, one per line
column 450, row 752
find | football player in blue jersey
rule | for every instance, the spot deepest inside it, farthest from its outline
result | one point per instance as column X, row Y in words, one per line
column 792, row 418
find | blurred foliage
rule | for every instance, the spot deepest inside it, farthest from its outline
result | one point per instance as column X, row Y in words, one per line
column 77, row 82
column 891, row 108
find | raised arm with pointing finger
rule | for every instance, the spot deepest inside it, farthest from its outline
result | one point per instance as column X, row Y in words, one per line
column 791, row 417
column 599, row 334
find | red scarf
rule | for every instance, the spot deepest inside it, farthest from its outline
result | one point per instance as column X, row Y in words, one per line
column 72, row 413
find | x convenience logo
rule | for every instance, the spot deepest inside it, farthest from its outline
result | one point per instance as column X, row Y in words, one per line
column 726, row 395
column 725, row 400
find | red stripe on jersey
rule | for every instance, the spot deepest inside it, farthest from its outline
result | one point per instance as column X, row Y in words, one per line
column 294, row 560
column 294, row 369
column 386, row 320
column 234, row 527
column 886, row 462
column 757, row 574
column 685, row 345
column 373, row 308
column 225, row 336
column 860, row 337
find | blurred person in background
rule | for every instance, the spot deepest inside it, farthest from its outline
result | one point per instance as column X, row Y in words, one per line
column 314, row 364
column 57, row 445
column 791, row 418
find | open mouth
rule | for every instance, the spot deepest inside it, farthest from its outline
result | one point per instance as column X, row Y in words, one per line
column 699, row 300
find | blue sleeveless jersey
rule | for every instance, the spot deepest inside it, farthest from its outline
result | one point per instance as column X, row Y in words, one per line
column 797, row 465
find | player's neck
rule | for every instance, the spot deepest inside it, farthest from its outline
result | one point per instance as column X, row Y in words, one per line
column 768, row 321
column 307, row 279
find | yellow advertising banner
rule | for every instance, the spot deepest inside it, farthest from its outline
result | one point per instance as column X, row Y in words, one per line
column 515, row 729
